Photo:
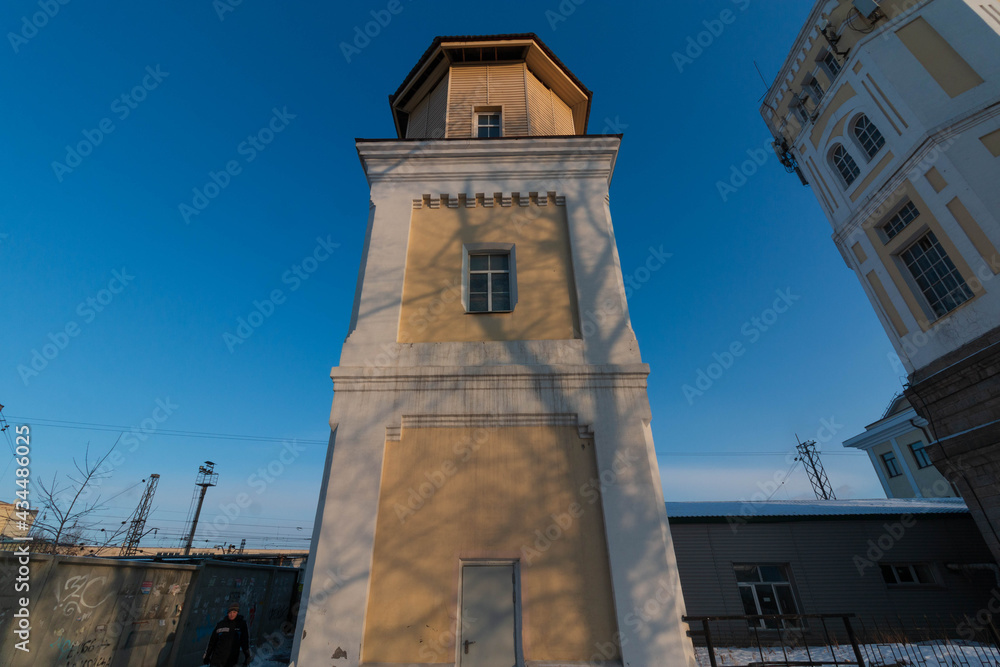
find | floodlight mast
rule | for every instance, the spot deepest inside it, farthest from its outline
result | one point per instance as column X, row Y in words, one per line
column 206, row 477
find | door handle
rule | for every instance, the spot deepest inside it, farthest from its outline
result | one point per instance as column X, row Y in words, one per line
column 466, row 643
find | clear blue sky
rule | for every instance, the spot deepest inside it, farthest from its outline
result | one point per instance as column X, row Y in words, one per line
column 155, row 330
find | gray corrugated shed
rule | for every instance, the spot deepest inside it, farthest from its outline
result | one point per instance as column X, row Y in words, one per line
column 814, row 508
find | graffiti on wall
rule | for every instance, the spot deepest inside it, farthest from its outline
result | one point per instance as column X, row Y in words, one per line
column 75, row 597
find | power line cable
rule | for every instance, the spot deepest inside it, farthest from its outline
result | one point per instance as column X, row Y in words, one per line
column 89, row 426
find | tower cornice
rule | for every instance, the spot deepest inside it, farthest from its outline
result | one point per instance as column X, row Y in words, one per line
column 520, row 157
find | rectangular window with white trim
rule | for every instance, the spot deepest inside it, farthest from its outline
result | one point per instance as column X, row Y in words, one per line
column 490, row 279
column 766, row 590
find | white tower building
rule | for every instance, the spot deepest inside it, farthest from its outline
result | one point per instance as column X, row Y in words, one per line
column 891, row 110
column 491, row 493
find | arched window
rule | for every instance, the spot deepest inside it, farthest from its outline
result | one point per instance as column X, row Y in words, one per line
column 868, row 136
column 845, row 164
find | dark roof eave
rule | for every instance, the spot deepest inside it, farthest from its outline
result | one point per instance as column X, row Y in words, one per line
column 471, row 38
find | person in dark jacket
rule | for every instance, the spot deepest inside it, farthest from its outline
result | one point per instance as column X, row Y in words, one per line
column 229, row 638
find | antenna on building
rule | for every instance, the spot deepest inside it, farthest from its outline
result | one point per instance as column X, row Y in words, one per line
column 131, row 544
column 814, row 468
column 206, row 477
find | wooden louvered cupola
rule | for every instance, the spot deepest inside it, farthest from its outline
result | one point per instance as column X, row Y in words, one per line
column 490, row 86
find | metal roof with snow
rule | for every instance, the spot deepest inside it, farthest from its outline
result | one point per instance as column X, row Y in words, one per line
column 748, row 509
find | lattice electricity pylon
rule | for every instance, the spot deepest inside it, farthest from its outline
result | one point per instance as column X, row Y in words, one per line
column 814, row 468
column 131, row 544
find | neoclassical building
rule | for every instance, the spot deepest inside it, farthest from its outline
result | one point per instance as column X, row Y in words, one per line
column 491, row 492
column 890, row 110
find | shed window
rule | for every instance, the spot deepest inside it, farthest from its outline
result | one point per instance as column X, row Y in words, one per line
column 766, row 590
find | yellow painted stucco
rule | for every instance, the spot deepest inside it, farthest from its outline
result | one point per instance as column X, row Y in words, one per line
column 992, row 142
column 844, row 93
column 883, row 298
column 872, row 175
column 859, row 252
column 936, row 180
column 975, row 232
column 432, row 308
column 938, row 57
column 519, row 493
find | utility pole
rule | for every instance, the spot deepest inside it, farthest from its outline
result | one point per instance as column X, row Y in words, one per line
column 131, row 544
column 814, row 468
column 206, row 477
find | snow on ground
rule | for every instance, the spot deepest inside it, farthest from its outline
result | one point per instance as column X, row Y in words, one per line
column 274, row 656
column 925, row 654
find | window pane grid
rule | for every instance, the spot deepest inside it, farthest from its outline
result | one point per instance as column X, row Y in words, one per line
column 832, row 66
column 936, row 276
column 489, row 283
column 765, row 590
column 817, row 90
column 845, row 164
column 868, row 136
column 920, row 455
column 891, row 465
column 489, row 125
column 900, row 220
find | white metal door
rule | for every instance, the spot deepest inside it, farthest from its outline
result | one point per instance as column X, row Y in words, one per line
column 488, row 620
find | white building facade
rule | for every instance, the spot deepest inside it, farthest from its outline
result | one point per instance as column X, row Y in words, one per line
column 897, row 446
column 491, row 489
column 891, row 111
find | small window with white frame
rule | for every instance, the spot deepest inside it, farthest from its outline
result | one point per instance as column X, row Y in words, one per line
column 844, row 164
column 799, row 109
column 867, row 135
column 766, row 590
column 828, row 61
column 490, row 284
column 489, row 122
column 898, row 221
column 815, row 89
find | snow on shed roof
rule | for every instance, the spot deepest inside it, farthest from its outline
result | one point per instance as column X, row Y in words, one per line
column 806, row 508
